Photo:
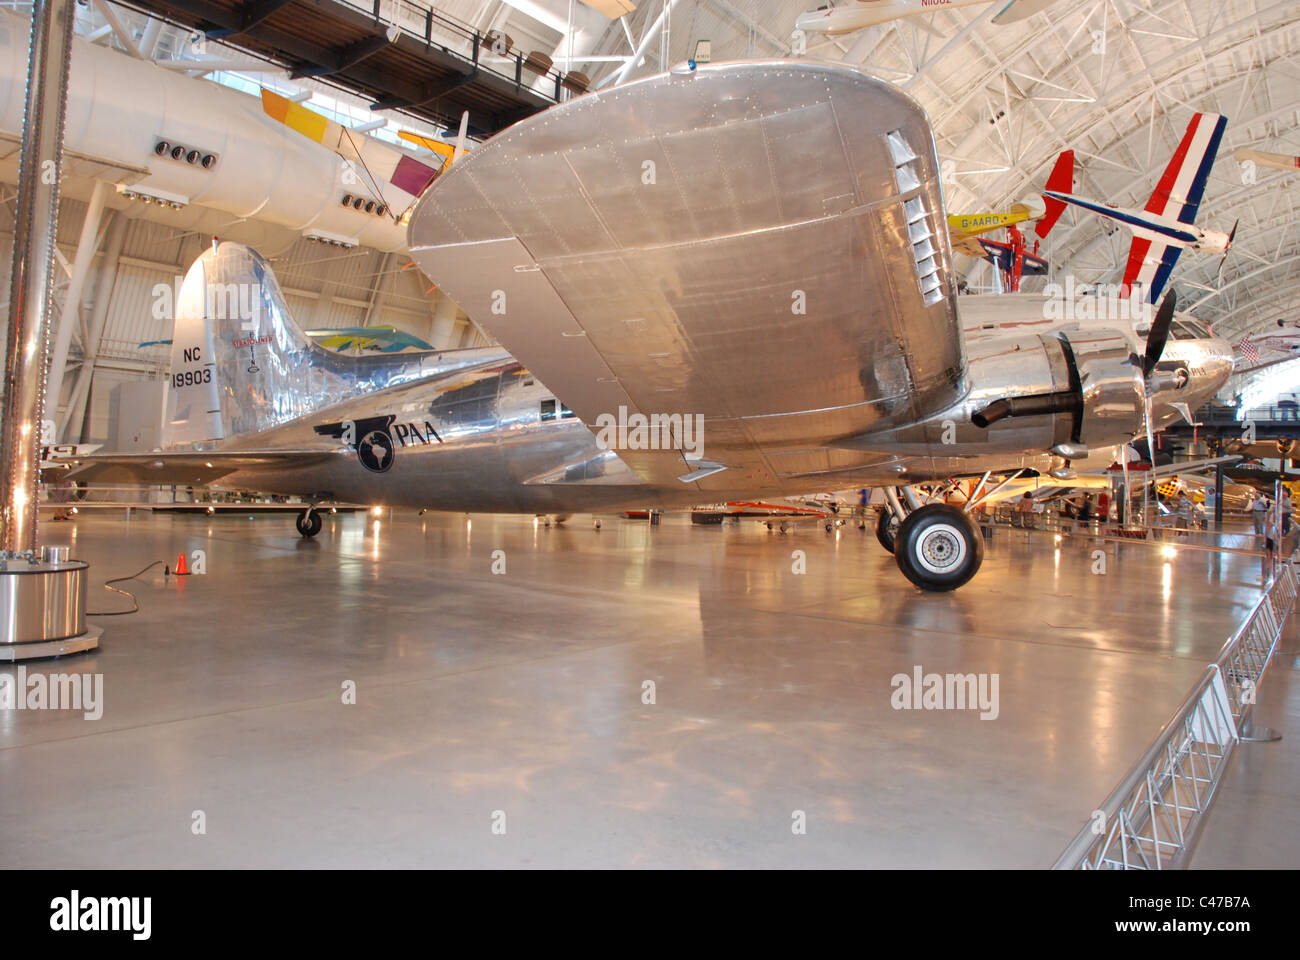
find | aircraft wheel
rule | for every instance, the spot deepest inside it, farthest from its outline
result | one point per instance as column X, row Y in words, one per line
column 309, row 523
column 938, row 547
column 886, row 530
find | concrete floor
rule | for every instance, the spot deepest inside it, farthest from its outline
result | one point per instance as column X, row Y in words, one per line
column 521, row 693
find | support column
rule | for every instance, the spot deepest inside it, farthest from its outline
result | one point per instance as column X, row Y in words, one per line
column 42, row 599
column 75, row 416
column 32, row 281
column 1218, row 496
column 378, row 291
column 86, row 247
column 444, row 323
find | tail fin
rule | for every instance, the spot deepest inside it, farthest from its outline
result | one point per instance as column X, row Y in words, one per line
column 239, row 363
column 1181, row 187
column 1060, row 181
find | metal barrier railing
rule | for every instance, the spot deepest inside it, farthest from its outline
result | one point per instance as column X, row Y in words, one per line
column 1150, row 821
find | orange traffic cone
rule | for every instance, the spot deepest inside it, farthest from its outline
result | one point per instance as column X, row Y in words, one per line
column 181, row 570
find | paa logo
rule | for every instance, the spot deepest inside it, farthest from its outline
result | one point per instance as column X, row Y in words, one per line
column 376, row 439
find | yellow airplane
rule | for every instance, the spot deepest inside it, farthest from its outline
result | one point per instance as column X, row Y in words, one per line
column 963, row 228
column 445, row 150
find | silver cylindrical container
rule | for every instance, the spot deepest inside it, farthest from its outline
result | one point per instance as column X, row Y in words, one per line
column 42, row 602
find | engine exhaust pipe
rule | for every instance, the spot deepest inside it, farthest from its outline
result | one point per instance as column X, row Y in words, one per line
column 1042, row 404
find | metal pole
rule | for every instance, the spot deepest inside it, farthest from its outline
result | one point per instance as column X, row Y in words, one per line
column 1274, row 525
column 31, row 285
column 644, row 45
column 1218, row 497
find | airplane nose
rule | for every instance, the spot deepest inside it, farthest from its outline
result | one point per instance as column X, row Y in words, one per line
column 1214, row 369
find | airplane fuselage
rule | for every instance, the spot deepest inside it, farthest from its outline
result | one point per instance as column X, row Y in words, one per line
column 1150, row 226
column 489, row 436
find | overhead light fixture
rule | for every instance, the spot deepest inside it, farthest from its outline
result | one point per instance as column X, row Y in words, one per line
column 330, row 239
column 162, row 198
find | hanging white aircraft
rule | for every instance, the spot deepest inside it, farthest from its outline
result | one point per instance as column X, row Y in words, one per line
column 859, row 14
column 675, row 330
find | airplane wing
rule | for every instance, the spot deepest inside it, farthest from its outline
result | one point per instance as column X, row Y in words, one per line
column 1182, row 185
column 1000, row 254
column 1035, row 266
column 760, row 244
column 1150, row 263
column 1167, row 469
column 440, row 147
column 1021, row 9
column 189, row 467
column 968, row 245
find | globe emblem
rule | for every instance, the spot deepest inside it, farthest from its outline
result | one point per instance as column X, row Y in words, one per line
column 375, row 451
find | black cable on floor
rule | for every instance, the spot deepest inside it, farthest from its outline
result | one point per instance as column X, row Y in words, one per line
column 135, row 605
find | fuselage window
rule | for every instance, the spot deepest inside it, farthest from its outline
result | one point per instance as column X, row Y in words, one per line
column 548, row 410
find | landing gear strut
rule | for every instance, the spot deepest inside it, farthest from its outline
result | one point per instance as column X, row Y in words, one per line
column 887, row 529
column 309, row 523
column 938, row 547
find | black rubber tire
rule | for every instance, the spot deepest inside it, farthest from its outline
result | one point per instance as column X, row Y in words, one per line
column 309, row 524
column 886, row 531
column 938, row 547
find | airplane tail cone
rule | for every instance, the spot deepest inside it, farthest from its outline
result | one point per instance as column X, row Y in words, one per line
column 1228, row 246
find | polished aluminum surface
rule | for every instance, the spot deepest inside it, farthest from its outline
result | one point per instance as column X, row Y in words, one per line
column 241, row 365
column 31, row 288
column 470, row 429
column 760, row 243
column 41, row 602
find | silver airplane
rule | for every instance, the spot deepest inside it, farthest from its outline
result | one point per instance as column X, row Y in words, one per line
column 723, row 282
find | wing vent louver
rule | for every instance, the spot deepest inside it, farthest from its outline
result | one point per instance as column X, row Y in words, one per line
column 908, row 176
column 925, row 253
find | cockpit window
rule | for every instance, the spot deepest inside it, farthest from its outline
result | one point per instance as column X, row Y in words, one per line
column 548, row 410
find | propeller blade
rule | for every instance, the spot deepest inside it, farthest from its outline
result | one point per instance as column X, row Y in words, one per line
column 1159, row 334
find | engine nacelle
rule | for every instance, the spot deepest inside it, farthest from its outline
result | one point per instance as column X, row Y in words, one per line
column 1033, row 392
column 1110, row 380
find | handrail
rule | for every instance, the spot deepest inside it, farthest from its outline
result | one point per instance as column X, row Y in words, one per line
column 1150, row 819
column 403, row 14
